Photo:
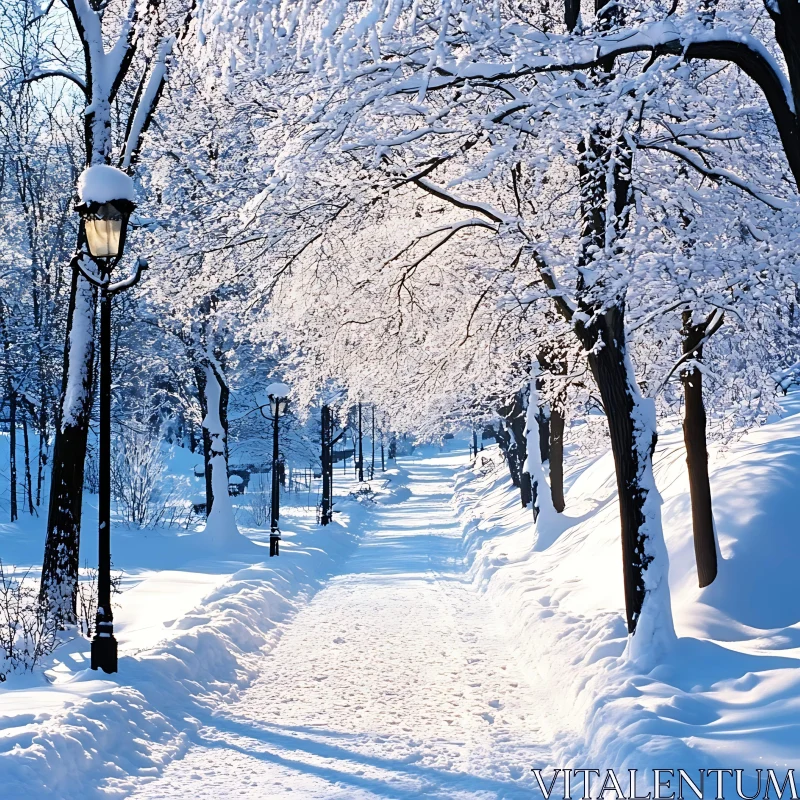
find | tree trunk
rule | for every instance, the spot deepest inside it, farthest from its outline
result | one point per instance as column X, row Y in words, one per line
column 543, row 420
column 221, row 523
column 12, row 449
column 557, row 458
column 372, row 463
column 694, row 436
column 534, row 466
column 201, row 380
column 59, row 586
column 515, row 445
column 631, row 418
column 504, row 440
column 28, row 480
column 327, row 462
column 41, row 460
column 631, row 425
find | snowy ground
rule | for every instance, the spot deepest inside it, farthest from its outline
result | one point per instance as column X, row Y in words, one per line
column 729, row 694
column 397, row 680
column 419, row 648
column 191, row 625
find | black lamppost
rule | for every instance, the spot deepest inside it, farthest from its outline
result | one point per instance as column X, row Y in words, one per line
column 278, row 403
column 104, row 228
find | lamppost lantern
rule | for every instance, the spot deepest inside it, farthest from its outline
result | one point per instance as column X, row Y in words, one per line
column 106, row 203
column 106, row 226
column 278, row 405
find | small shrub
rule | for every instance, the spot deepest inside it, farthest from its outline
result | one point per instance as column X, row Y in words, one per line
column 27, row 630
column 260, row 494
column 87, row 599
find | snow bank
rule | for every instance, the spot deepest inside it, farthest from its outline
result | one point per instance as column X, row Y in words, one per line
column 729, row 688
column 102, row 183
column 88, row 737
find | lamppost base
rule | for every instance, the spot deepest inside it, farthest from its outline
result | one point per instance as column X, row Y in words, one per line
column 274, row 549
column 104, row 653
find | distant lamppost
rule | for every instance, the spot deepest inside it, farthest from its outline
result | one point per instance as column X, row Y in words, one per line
column 278, row 403
column 105, row 223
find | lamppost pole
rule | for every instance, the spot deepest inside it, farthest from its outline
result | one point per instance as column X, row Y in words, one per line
column 360, row 448
column 105, row 193
column 274, row 538
column 104, row 645
column 277, row 393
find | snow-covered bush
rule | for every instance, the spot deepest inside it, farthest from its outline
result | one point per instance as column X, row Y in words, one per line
column 27, row 631
column 138, row 482
column 260, row 499
column 87, row 599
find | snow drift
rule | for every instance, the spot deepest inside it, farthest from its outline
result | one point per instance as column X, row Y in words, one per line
column 729, row 689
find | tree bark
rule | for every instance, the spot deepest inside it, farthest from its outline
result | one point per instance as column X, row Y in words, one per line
column 201, row 381
column 557, row 458
column 543, row 419
column 59, row 586
column 327, row 463
column 28, row 480
column 694, row 437
column 12, row 449
column 632, row 443
column 372, row 463
column 41, row 460
column 513, row 444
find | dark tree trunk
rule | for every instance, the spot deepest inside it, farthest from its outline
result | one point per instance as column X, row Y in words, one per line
column 557, row 458
column 610, row 371
column 11, row 396
column 59, row 586
column 41, row 461
column 504, row 440
column 543, row 419
column 393, row 448
column 517, row 423
column 513, row 443
column 694, row 436
column 372, row 464
column 360, row 448
column 327, row 464
column 526, row 490
column 572, row 9
column 28, row 480
column 604, row 340
column 12, row 449
column 200, row 380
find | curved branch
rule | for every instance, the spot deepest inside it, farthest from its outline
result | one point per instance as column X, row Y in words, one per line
column 693, row 160
column 58, row 73
column 460, row 202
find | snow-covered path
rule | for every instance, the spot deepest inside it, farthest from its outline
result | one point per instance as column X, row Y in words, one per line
column 397, row 680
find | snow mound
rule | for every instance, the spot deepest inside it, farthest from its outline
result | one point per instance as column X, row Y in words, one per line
column 88, row 737
column 729, row 688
